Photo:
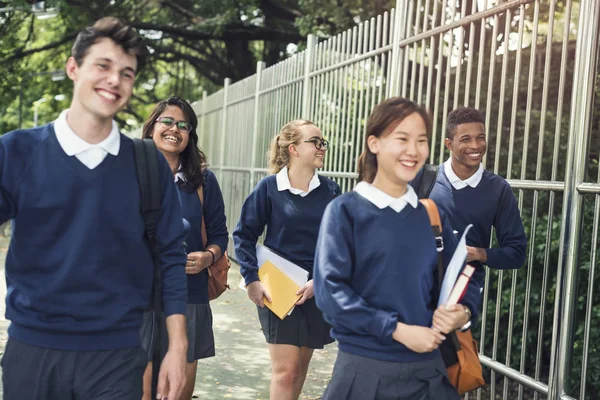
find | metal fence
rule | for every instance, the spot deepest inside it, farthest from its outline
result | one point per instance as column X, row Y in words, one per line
column 531, row 66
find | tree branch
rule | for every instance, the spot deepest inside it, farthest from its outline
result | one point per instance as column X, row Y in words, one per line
column 230, row 32
column 19, row 54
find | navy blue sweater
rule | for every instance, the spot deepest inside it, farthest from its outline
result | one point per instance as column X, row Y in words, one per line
column 292, row 224
column 79, row 270
column 490, row 204
column 216, row 229
column 374, row 268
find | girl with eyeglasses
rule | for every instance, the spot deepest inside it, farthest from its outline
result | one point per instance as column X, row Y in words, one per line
column 376, row 270
column 290, row 204
column 172, row 125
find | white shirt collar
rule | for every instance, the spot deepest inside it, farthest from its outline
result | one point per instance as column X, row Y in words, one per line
column 180, row 175
column 382, row 200
column 458, row 183
column 283, row 183
column 73, row 144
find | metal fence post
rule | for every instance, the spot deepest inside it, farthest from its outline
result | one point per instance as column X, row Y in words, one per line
column 393, row 88
column 224, row 127
column 255, row 130
column 306, row 88
column 584, row 74
column 202, row 120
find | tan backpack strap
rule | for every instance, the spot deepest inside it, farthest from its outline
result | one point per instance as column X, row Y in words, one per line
column 435, row 220
column 201, row 196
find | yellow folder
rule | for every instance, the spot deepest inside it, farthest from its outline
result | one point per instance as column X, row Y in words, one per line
column 280, row 287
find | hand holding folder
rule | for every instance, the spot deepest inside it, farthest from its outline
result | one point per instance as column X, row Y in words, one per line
column 281, row 288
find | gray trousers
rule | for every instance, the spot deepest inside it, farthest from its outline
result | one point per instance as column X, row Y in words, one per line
column 30, row 372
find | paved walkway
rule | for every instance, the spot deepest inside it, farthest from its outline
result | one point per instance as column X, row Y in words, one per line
column 241, row 368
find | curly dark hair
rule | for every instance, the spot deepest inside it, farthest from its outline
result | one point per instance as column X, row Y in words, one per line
column 462, row 115
column 116, row 30
column 193, row 160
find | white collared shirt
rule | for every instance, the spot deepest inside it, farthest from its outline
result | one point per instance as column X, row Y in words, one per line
column 91, row 155
column 458, row 183
column 382, row 200
column 283, row 183
column 180, row 175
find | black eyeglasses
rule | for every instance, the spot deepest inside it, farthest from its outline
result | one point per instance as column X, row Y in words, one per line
column 320, row 144
column 181, row 125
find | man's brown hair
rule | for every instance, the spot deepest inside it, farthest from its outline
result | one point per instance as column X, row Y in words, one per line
column 114, row 29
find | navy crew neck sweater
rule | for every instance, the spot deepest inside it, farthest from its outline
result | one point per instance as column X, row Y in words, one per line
column 78, row 269
column 292, row 223
column 376, row 267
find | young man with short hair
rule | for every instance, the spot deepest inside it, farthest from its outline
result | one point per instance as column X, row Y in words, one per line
column 79, row 269
column 468, row 194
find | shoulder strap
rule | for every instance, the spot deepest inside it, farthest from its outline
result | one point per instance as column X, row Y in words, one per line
column 427, row 180
column 201, row 196
column 149, row 181
column 436, row 227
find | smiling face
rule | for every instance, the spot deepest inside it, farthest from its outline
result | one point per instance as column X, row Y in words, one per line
column 468, row 145
column 103, row 83
column 305, row 153
column 170, row 139
column 400, row 153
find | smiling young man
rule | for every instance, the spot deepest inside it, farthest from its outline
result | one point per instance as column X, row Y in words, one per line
column 79, row 269
column 468, row 194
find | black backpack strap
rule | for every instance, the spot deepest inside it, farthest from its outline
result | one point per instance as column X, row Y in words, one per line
column 146, row 163
column 427, row 180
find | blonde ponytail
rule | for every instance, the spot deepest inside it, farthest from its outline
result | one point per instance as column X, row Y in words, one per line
column 279, row 154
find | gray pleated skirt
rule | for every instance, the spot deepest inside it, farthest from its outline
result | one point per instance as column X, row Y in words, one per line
column 305, row 327
column 361, row 378
column 201, row 340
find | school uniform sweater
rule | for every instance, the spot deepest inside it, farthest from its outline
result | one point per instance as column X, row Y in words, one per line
column 79, row 271
column 292, row 223
column 491, row 203
column 216, row 229
column 375, row 267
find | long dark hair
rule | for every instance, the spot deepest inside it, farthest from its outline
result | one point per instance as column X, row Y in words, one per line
column 383, row 120
column 193, row 160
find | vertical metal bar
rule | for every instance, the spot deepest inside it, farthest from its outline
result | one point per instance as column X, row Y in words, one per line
column 343, row 84
column 423, row 52
column 413, row 76
column 362, row 48
column 351, row 110
column 490, row 87
column 534, row 213
column 590, row 294
column 586, row 59
column 203, row 120
column 480, row 64
column 547, row 254
column 406, row 51
column 447, row 81
column 397, row 52
column 438, row 84
column 260, row 66
column 513, row 118
column 461, row 45
column 499, row 126
column 382, row 58
column 470, row 59
column 224, row 127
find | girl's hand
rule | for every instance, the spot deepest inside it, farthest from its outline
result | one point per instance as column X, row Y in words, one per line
column 419, row 339
column 307, row 292
column 197, row 261
column 448, row 318
column 256, row 293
